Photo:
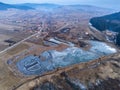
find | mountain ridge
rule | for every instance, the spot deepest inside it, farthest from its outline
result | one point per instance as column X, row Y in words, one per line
column 27, row 6
column 4, row 6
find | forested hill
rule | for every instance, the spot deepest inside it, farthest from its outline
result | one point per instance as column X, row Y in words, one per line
column 109, row 22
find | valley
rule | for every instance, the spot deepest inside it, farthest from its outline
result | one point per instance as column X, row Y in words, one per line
column 55, row 47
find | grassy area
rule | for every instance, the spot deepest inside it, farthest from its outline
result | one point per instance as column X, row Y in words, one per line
column 17, row 49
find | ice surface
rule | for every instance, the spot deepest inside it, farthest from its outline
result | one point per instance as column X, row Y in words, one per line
column 52, row 59
column 101, row 48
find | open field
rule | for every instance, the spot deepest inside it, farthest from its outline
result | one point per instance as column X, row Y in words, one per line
column 17, row 49
column 4, row 37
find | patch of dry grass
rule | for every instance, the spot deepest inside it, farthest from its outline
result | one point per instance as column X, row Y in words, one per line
column 18, row 49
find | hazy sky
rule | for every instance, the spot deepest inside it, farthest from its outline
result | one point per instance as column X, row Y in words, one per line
column 102, row 3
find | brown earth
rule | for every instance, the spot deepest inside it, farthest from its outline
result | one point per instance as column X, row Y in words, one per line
column 101, row 74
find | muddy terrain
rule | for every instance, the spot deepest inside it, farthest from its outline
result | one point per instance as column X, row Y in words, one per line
column 100, row 74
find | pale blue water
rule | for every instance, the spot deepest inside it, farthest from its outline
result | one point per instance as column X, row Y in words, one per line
column 52, row 59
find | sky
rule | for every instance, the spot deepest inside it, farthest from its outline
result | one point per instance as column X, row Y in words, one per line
column 113, row 4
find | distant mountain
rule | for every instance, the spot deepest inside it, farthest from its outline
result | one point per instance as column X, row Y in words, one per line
column 50, row 6
column 4, row 6
column 43, row 5
column 23, row 7
column 88, row 8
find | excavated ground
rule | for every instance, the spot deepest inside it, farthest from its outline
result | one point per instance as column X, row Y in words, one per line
column 100, row 74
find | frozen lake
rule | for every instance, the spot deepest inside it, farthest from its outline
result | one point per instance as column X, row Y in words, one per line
column 52, row 59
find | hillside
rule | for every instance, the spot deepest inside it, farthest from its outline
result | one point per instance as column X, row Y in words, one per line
column 4, row 6
column 110, row 22
column 101, row 74
column 57, row 7
column 42, row 6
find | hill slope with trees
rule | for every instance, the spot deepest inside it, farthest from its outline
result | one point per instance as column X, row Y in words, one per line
column 109, row 22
